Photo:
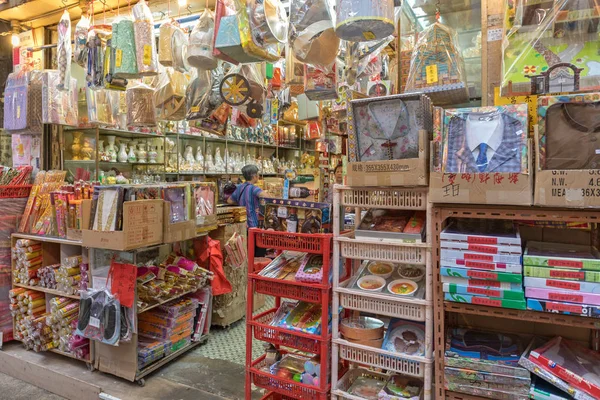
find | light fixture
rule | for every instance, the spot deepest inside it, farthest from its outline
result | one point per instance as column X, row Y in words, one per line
column 15, row 28
column 182, row 3
column 15, row 40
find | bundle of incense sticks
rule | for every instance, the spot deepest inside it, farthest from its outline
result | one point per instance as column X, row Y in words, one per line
column 38, row 214
column 63, row 322
column 28, row 308
column 28, row 260
column 47, row 276
column 70, row 275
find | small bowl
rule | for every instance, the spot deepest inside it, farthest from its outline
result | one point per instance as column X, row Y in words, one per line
column 405, row 283
column 377, row 283
column 381, row 269
column 403, row 269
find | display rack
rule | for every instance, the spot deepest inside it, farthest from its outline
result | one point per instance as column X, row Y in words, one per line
column 448, row 311
column 54, row 250
column 409, row 308
column 258, row 325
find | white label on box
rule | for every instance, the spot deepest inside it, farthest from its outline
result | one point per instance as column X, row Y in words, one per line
column 494, row 35
column 282, row 212
column 95, row 322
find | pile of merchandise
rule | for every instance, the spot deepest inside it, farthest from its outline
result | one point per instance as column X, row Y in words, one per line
column 27, row 256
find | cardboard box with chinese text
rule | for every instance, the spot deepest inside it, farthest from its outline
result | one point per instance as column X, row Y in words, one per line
column 177, row 231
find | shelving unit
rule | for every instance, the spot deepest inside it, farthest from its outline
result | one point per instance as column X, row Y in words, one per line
column 258, row 325
column 514, row 321
column 409, row 308
column 54, row 249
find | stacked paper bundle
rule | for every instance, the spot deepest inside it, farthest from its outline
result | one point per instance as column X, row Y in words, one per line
column 63, row 321
column 481, row 263
column 69, row 276
column 28, row 308
column 38, row 216
column 562, row 278
column 28, row 260
column 47, row 276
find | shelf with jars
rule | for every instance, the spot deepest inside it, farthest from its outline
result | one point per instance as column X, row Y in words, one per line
column 96, row 151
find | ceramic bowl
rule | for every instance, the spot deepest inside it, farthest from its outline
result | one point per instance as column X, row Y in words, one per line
column 371, row 283
column 411, row 272
column 409, row 287
column 381, row 269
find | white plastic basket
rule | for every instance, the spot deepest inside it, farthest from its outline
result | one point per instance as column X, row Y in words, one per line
column 350, row 377
column 378, row 358
column 388, row 198
column 379, row 250
column 399, row 307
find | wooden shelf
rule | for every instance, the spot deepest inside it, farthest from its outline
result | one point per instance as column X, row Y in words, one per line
column 462, row 396
column 151, row 306
column 49, row 291
column 70, row 355
column 523, row 315
column 48, row 239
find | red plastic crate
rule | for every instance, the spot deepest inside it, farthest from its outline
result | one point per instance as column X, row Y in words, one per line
column 286, row 387
column 283, row 337
column 306, row 242
column 275, row 396
column 14, row 191
column 289, row 290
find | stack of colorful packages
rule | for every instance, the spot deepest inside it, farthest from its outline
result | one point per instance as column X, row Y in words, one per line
column 71, row 276
column 38, row 216
column 562, row 278
column 165, row 329
column 485, row 364
column 27, row 255
column 47, row 276
column 63, row 321
column 29, row 311
column 481, row 263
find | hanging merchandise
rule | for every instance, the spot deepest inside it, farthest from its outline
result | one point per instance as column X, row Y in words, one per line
column 140, row 105
column 172, row 46
column 364, row 21
column 15, row 100
column 97, row 41
column 320, row 85
column 169, row 96
column 58, row 106
column 63, row 51
column 102, row 106
column 110, row 80
column 437, row 67
column 203, row 96
column 312, row 36
column 81, row 36
column 124, row 48
column 223, row 9
column 358, row 58
column 268, row 21
column 145, row 43
column 200, row 49
column 99, row 316
column 244, row 86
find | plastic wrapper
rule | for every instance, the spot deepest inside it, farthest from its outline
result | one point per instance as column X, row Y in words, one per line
column 312, row 37
column 145, row 43
column 102, row 106
column 169, row 96
column 255, row 79
column 203, row 95
column 124, row 45
column 64, row 52
column 98, row 36
column 268, row 22
column 359, row 57
column 363, row 21
column 99, row 316
column 81, row 36
column 15, row 101
column 205, row 195
column 200, row 49
column 141, row 110
column 172, row 46
column 58, row 106
column 223, row 8
column 550, row 47
column 320, row 85
column 436, row 60
column 500, row 131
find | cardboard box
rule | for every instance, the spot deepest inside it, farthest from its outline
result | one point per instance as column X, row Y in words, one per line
column 142, row 227
column 583, row 310
column 178, row 231
column 587, row 287
column 561, row 273
column 480, row 283
column 478, row 291
column 86, row 209
column 486, row 301
column 569, row 296
column 483, row 275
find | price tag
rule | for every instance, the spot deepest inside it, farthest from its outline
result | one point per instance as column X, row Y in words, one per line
column 18, row 111
column 432, row 73
column 118, row 57
column 147, row 59
column 494, row 35
column 282, row 212
column 369, row 35
column 95, row 322
column 195, row 109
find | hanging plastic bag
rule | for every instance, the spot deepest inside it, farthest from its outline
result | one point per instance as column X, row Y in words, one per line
column 200, row 49
column 124, row 48
column 110, row 59
column 99, row 316
column 81, row 36
column 15, row 101
column 145, row 43
column 202, row 96
column 141, row 110
column 320, row 85
column 58, row 106
column 97, row 41
column 180, row 49
column 102, row 106
column 64, row 51
column 172, row 46
column 170, row 95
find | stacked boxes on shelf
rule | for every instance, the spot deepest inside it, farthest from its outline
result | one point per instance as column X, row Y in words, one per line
column 562, row 278
column 485, row 364
column 480, row 263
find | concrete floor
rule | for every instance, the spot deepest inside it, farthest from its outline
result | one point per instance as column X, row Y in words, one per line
column 15, row 389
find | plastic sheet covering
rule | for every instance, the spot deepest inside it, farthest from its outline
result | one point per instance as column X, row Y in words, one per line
column 102, row 106
column 436, row 60
column 97, row 40
column 203, row 96
column 81, row 36
column 268, row 21
column 256, row 38
column 312, row 35
column 58, row 106
column 64, row 51
column 223, row 9
column 172, row 46
column 364, row 21
column 124, row 47
column 145, row 43
column 320, row 85
column 200, row 49
column 15, row 101
column 169, row 96
column 141, row 110
column 550, row 47
column 10, row 211
column 255, row 79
